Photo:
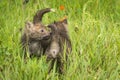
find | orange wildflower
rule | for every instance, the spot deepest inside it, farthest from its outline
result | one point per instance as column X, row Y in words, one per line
column 62, row 7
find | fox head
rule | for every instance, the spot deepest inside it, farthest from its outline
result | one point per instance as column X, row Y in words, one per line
column 36, row 31
column 59, row 26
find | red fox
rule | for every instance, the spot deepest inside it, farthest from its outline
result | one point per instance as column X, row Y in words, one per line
column 60, row 38
column 35, row 38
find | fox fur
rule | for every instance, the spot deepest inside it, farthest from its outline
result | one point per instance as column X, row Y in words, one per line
column 59, row 40
column 35, row 37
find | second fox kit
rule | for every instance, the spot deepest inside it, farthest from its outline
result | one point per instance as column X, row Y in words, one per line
column 59, row 39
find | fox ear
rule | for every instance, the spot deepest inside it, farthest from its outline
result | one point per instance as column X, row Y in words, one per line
column 65, row 24
column 52, row 26
column 28, row 24
column 64, row 20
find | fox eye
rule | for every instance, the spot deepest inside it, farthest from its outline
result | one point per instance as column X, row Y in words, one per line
column 42, row 30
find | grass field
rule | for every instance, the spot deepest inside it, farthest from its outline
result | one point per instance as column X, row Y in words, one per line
column 94, row 29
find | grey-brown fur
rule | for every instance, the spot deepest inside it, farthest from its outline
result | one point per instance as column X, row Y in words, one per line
column 35, row 37
column 60, row 38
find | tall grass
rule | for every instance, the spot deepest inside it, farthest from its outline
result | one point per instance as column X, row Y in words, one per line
column 94, row 29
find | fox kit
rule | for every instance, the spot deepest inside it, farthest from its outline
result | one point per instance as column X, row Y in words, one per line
column 35, row 38
column 60, row 38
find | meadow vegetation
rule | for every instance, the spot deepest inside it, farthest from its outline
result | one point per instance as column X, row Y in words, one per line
column 94, row 29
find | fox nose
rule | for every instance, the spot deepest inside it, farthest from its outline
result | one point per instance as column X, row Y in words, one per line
column 46, row 37
column 50, row 33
